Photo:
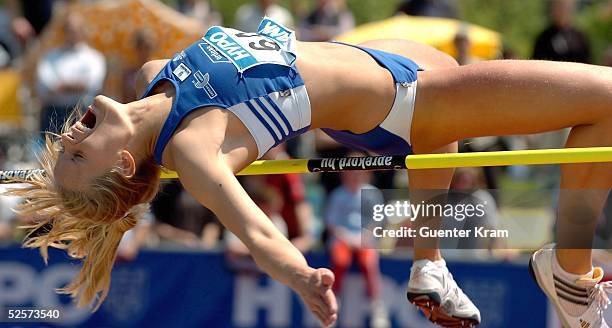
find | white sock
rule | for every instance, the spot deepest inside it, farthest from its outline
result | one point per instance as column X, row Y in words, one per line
column 440, row 263
column 570, row 294
column 421, row 263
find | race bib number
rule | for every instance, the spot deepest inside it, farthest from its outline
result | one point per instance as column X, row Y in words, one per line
column 246, row 50
column 279, row 33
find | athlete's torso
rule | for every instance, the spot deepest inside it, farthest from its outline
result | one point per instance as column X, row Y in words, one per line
column 348, row 90
column 336, row 86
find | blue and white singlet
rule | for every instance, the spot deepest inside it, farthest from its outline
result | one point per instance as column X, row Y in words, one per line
column 254, row 76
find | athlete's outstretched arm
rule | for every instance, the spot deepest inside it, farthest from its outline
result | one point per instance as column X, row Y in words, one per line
column 209, row 179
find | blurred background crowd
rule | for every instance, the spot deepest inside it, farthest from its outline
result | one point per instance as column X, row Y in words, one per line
column 56, row 55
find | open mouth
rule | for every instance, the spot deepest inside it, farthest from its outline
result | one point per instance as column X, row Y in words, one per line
column 87, row 123
column 89, row 119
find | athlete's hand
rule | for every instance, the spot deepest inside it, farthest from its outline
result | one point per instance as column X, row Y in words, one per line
column 315, row 288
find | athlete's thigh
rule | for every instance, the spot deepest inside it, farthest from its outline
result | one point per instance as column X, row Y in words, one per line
column 505, row 98
column 425, row 56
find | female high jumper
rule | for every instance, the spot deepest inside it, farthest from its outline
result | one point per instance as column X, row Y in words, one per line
column 223, row 102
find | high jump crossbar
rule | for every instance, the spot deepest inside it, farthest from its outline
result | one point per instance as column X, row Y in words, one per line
column 372, row 163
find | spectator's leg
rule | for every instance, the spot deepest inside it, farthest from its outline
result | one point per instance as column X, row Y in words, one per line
column 367, row 259
column 341, row 259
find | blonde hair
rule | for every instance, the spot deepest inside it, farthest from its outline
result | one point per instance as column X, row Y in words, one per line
column 88, row 224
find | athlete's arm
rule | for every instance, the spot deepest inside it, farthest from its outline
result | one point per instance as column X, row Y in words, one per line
column 206, row 175
column 213, row 184
column 208, row 179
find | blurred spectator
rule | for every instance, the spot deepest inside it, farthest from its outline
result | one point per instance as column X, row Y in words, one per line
column 10, row 48
column 5, row 57
column 29, row 17
column 170, row 222
column 561, row 41
column 467, row 187
column 172, row 236
column 433, row 8
column 468, row 182
column 238, row 256
column 134, row 239
column 462, row 46
column 328, row 19
column 249, row 16
column 201, row 10
column 508, row 53
column 296, row 211
column 144, row 43
column 343, row 220
column 68, row 75
column 182, row 220
column 199, row 220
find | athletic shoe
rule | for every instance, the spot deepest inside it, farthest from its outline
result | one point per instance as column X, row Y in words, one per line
column 433, row 289
column 588, row 292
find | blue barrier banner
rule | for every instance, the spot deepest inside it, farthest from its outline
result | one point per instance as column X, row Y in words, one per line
column 178, row 289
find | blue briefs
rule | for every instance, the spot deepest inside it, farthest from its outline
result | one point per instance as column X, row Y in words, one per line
column 392, row 136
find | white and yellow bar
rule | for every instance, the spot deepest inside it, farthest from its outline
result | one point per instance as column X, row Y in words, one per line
column 505, row 158
column 437, row 161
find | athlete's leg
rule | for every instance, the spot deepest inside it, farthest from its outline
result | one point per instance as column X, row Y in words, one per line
column 428, row 58
column 522, row 97
column 431, row 285
column 424, row 185
column 509, row 97
column 580, row 209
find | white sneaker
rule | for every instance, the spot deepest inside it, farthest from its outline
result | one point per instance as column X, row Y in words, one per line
column 587, row 291
column 433, row 289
